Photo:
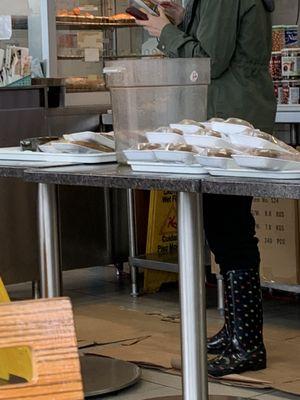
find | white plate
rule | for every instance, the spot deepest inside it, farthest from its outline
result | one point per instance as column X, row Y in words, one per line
column 228, row 128
column 215, row 162
column 174, row 156
column 266, row 163
column 139, row 155
column 248, row 173
column 105, row 140
column 186, row 128
column 15, row 153
column 206, row 141
column 169, row 168
column 164, row 138
column 254, row 142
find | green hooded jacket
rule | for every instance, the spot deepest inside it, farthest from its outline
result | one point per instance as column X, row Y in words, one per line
column 237, row 36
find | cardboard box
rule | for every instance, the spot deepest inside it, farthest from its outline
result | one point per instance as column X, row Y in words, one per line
column 277, row 228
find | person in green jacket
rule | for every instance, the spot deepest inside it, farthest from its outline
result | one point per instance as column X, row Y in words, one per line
column 236, row 36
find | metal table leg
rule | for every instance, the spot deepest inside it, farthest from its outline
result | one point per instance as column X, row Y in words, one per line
column 193, row 299
column 220, row 283
column 132, row 241
column 192, row 295
column 100, row 375
column 50, row 273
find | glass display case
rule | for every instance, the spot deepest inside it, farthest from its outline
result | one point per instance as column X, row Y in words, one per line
column 90, row 31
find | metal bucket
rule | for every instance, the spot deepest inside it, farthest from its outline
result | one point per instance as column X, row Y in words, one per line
column 149, row 93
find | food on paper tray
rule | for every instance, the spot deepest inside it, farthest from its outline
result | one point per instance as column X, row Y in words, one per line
column 142, row 152
column 215, row 158
column 180, row 147
column 178, row 153
column 238, row 121
column 80, row 143
column 216, row 120
column 208, row 132
column 260, row 140
column 227, row 153
column 275, row 154
column 231, row 144
column 191, row 122
column 167, row 129
column 165, row 135
column 148, row 146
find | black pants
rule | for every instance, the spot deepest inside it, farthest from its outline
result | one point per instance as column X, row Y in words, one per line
column 230, row 231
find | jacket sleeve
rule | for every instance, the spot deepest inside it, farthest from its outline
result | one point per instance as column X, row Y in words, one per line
column 215, row 37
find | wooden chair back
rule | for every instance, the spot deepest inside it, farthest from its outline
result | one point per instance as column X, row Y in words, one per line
column 46, row 327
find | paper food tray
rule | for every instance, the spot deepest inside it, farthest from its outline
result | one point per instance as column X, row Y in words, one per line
column 215, row 162
column 158, row 167
column 15, row 153
column 265, row 163
column 248, row 173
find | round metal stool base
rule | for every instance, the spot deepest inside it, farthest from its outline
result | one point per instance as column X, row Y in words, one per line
column 102, row 375
column 212, row 397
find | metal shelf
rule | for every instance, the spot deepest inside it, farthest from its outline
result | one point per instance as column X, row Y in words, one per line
column 93, row 25
column 282, row 287
column 169, row 263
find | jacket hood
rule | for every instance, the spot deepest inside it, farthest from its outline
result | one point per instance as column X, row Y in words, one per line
column 269, row 5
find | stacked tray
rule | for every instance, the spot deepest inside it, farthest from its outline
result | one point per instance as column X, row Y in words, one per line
column 218, row 148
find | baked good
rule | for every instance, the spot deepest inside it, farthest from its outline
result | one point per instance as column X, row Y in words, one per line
column 226, row 153
column 122, row 18
column 238, row 121
column 93, row 145
column 180, row 147
column 208, row 132
column 167, row 129
column 148, row 146
column 216, row 120
column 191, row 122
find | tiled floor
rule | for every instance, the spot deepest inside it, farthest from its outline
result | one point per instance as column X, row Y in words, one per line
column 94, row 285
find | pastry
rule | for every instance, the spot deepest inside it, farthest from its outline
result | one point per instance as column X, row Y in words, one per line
column 191, row 122
column 166, row 129
column 180, row 147
column 238, row 121
column 148, row 146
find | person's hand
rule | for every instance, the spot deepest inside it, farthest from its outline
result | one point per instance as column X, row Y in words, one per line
column 174, row 11
column 154, row 25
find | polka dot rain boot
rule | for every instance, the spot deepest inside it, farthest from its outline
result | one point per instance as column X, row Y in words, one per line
column 219, row 342
column 246, row 351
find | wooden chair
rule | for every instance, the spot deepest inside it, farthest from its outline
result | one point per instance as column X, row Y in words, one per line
column 46, row 327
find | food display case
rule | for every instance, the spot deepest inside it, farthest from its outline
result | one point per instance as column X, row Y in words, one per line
column 87, row 33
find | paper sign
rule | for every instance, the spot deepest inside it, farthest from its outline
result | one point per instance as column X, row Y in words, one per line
column 91, row 55
column 5, row 27
column 90, row 40
column 14, row 7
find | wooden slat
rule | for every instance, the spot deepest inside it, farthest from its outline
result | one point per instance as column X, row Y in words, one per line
column 47, row 327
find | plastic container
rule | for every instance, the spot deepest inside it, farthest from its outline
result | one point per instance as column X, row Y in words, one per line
column 253, row 142
column 290, row 92
column 206, row 141
column 164, row 137
column 267, row 163
column 174, row 156
column 275, row 66
column 290, row 63
column 215, row 162
column 139, row 155
column 185, row 128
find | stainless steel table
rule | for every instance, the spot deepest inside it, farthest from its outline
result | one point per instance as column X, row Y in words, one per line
column 100, row 375
column 191, row 242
